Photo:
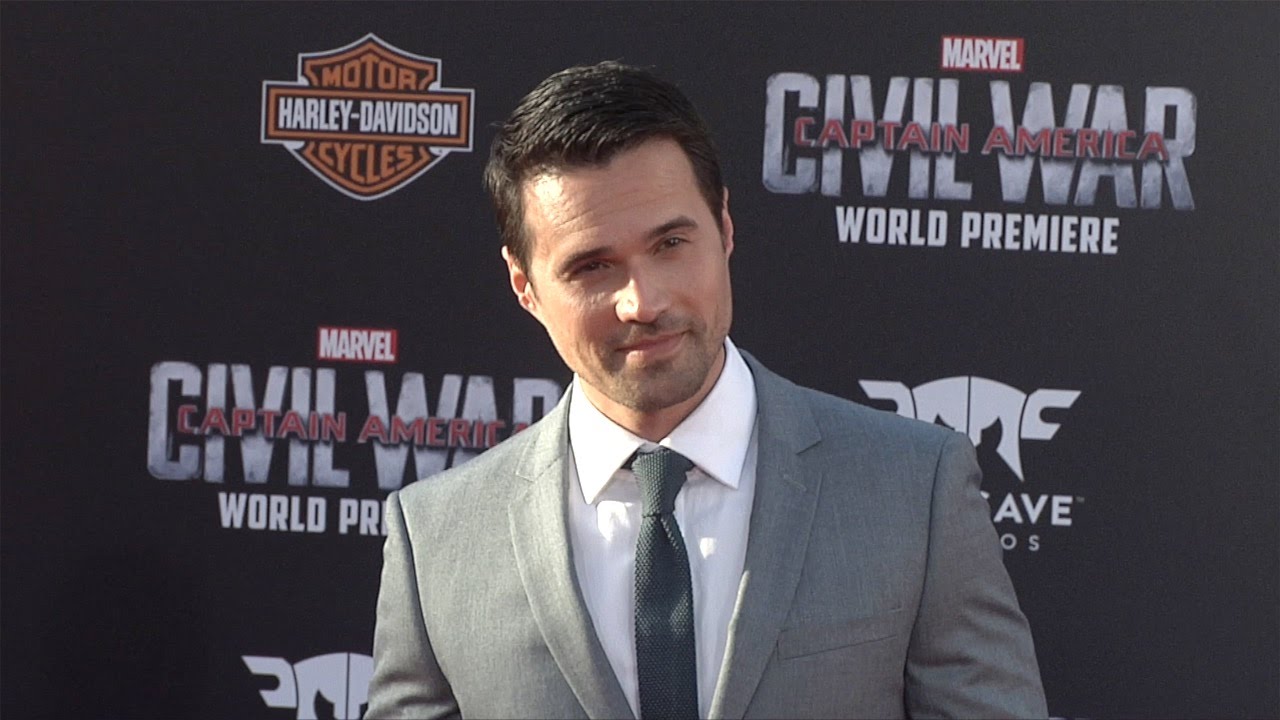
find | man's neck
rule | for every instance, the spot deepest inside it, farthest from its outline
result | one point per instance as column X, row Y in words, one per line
column 653, row 426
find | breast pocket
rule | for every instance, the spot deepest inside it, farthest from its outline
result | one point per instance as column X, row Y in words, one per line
column 809, row 639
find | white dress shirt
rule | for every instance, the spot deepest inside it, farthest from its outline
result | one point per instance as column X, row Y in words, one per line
column 713, row 510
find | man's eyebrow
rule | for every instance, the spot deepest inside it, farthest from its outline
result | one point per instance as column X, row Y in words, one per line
column 581, row 256
column 680, row 222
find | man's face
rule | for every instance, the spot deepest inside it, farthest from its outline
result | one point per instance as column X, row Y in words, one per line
column 629, row 274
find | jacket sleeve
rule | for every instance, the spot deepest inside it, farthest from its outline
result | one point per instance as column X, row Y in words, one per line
column 407, row 681
column 971, row 653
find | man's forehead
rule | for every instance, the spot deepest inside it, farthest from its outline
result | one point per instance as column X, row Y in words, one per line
column 635, row 192
column 547, row 197
column 554, row 213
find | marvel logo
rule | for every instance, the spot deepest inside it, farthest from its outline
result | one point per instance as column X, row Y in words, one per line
column 356, row 344
column 989, row 54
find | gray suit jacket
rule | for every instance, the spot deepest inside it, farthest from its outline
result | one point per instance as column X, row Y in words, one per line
column 873, row 586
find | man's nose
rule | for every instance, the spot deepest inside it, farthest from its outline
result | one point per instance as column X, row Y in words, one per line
column 643, row 299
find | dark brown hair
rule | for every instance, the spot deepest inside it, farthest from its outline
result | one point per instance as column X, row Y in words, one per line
column 583, row 116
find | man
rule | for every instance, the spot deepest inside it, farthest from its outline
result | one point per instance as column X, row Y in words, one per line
column 686, row 533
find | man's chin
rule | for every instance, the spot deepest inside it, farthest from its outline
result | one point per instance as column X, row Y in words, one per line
column 651, row 389
column 652, row 403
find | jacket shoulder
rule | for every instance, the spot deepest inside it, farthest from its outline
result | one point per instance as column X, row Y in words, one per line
column 844, row 421
column 853, row 434
column 839, row 415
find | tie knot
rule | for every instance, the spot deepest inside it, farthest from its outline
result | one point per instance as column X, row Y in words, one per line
column 660, row 474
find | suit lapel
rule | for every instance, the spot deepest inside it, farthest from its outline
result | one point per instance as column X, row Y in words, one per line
column 785, row 499
column 540, row 536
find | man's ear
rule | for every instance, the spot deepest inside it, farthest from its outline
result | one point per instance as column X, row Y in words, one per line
column 726, row 223
column 521, row 285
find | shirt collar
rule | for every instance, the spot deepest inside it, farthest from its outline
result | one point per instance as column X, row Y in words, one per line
column 715, row 436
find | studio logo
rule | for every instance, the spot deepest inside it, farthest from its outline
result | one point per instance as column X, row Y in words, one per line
column 368, row 118
column 983, row 54
column 1025, row 519
column 362, row 345
column 973, row 404
column 339, row 679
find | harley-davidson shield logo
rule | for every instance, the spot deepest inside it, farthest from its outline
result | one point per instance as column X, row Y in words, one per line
column 368, row 118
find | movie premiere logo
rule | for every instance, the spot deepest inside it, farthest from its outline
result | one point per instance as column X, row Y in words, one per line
column 974, row 405
column 334, row 685
column 873, row 138
column 356, row 344
column 315, row 449
column 983, row 54
column 367, row 118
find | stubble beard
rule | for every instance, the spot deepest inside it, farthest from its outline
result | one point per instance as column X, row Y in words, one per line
column 665, row 383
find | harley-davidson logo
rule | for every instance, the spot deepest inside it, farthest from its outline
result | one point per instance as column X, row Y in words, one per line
column 368, row 118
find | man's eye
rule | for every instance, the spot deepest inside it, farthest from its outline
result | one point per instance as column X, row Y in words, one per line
column 588, row 267
column 672, row 242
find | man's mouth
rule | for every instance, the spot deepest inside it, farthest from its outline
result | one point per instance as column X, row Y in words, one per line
column 652, row 346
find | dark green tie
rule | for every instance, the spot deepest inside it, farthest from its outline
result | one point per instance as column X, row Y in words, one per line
column 665, row 656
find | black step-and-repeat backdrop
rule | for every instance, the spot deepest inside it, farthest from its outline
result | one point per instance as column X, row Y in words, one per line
column 251, row 284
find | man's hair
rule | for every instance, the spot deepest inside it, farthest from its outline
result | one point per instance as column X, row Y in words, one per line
column 582, row 117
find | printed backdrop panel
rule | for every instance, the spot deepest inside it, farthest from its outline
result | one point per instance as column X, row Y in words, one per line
column 251, row 285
